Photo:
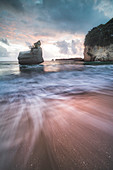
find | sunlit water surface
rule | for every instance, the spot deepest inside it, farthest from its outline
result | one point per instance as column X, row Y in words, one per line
column 56, row 116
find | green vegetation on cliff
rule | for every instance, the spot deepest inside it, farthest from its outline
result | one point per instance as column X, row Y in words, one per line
column 101, row 35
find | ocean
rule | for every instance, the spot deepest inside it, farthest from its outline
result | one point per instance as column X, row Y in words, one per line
column 56, row 116
column 52, row 79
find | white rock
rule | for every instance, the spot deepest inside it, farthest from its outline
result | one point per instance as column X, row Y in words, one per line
column 98, row 53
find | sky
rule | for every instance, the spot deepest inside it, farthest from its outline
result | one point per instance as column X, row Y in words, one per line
column 61, row 25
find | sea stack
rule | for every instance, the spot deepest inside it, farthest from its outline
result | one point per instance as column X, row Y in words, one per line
column 99, row 43
column 34, row 56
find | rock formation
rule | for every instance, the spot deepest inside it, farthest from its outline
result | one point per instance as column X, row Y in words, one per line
column 99, row 43
column 34, row 56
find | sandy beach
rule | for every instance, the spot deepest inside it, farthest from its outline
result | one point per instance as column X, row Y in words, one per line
column 75, row 133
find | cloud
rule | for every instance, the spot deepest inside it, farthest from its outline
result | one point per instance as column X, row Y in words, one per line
column 106, row 6
column 63, row 46
column 71, row 15
column 73, row 47
column 28, row 44
column 5, row 41
column 49, row 16
column 38, row 2
column 11, row 4
column 3, row 52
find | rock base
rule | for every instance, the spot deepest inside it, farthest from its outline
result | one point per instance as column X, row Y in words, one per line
column 98, row 53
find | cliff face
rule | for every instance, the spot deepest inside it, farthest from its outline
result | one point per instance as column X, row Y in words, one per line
column 99, row 43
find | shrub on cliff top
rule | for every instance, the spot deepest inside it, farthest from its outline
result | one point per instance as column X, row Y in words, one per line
column 101, row 35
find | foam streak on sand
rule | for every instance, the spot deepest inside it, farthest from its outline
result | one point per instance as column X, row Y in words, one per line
column 75, row 133
column 56, row 117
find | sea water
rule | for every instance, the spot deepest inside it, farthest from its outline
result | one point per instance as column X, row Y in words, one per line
column 52, row 80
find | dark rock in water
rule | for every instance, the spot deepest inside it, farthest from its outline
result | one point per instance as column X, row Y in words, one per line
column 99, row 43
column 70, row 59
column 34, row 56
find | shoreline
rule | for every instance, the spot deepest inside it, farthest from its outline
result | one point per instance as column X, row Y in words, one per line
column 66, row 61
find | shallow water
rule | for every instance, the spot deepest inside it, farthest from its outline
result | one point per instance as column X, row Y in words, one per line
column 56, row 116
column 53, row 80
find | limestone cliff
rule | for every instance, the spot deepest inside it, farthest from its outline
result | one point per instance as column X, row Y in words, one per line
column 99, row 43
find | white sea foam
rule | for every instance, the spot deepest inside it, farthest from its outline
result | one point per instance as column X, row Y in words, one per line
column 29, row 109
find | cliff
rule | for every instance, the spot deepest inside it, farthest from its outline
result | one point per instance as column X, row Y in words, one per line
column 99, row 43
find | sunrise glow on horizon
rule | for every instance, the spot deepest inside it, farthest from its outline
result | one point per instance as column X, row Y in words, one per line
column 60, row 25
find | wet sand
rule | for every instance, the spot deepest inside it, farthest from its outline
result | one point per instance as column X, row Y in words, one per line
column 75, row 133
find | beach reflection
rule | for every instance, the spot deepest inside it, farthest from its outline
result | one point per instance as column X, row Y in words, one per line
column 9, row 68
column 48, row 67
column 59, row 67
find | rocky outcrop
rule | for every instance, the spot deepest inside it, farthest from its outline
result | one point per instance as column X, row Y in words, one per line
column 30, row 57
column 99, row 43
column 34, row 56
